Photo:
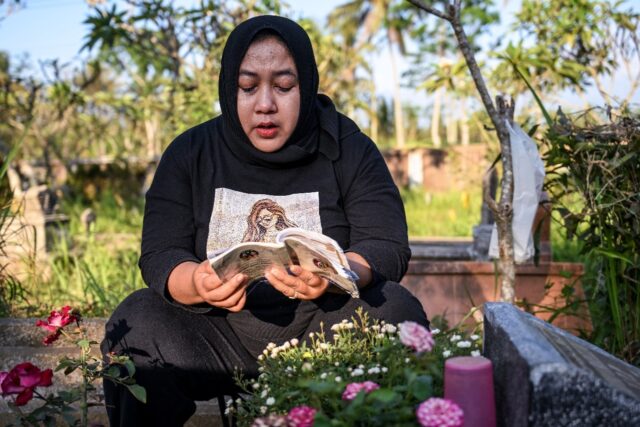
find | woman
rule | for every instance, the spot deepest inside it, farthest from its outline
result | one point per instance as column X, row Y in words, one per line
column 264, row 222
column 277, row 139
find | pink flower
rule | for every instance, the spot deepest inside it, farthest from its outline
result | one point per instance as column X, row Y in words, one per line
column 56, row 321
column 301, row 416
column 22, row 379
column 352, row 390
column 272, row 420
column 436, row 412
column 415, row 336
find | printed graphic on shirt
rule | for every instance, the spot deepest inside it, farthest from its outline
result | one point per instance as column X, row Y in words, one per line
column 243, row 217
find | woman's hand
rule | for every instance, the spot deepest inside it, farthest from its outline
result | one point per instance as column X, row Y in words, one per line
column 299, row 283
column 193, row 283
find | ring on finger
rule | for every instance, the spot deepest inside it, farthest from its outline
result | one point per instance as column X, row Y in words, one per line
column 294, row 296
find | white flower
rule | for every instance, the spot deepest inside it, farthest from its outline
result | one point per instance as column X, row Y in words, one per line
column 324, row 346
column 384, row 369
column 323, row 375
column 380, row 336
column 357, row 372
column 407, row 360
column 228, row 410
column 310, row 334
column 455, row 338
column 336, row 337
column 435, row 331
column 261, row 356
column 338, row 379
column 256, row 386
column 264, row 393
column 475, row 337
column 294, row 341
column 270, row 401
column 390, row 329
column 263, row 410
column 336, row 327
column 361, row 366
column 336, row 364
column 464, row 344
column 306, row 367
column 374, row 370
column 261, row 369
column 376, row 327
column 475, row 353
column 446, row 353
column 238, row 401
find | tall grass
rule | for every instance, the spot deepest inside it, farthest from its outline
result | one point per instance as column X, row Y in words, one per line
column 92, row 270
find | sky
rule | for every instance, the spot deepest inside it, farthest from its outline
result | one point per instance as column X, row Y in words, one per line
column 48, row 29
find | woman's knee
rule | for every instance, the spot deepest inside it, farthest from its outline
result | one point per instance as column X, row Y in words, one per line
column 137, row 321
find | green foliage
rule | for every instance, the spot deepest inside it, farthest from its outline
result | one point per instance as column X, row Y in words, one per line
column 600, row 165
column 91, row 269
column 566, row 43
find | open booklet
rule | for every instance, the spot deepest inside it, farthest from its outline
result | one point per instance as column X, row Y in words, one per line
column 312, row 251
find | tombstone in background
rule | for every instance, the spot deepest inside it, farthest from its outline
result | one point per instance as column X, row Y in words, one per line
column 36, row 225
column 544, row 376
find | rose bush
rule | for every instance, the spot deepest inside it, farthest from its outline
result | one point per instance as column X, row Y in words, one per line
column 359, row 373
column 21, row 381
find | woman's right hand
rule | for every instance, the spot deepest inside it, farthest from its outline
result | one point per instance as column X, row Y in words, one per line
column 193, row 283
column 231, row 295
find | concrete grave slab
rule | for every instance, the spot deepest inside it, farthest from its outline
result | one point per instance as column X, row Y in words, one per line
column 545, row 376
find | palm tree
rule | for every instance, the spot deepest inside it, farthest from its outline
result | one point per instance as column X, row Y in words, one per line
column 366, row 19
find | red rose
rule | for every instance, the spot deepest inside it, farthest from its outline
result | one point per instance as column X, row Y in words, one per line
column 56, row 321
column 22, row 380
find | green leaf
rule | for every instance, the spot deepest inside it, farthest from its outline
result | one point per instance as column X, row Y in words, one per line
column 84, row 344
column 422, row 387
column 131, row 368
column 138, row 392
column 384, row 395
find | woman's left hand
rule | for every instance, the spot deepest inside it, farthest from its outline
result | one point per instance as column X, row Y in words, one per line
column 298, row 283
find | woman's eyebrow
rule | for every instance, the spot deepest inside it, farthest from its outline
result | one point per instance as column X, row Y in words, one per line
column 285, row 72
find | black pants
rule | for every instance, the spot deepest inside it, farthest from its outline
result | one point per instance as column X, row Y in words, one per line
column 182, row 356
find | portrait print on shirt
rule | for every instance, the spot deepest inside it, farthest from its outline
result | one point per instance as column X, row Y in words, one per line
column 244, row 217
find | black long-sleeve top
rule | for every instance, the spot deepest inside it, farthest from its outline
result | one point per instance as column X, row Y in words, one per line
column 203, row 190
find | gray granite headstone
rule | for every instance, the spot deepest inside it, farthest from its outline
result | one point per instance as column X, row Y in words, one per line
column 545, row 376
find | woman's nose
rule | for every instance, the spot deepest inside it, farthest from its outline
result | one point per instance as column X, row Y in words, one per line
column 266, row 101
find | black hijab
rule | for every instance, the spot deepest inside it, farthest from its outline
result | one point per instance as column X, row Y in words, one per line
column 303, row 142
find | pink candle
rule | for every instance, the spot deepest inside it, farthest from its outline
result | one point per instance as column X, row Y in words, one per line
column 468, row 381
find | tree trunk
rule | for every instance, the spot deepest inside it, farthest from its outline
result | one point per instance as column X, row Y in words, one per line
column 435, row 118
column 397, row 102
column 464, row 122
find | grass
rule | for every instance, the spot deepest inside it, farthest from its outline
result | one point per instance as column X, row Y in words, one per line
column 91, row 270
column 452, row 214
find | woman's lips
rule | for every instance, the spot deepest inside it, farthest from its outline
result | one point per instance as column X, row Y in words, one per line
column 267, row 130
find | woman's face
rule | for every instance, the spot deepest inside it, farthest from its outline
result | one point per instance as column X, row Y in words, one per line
column 268, row 94
column 266, row 219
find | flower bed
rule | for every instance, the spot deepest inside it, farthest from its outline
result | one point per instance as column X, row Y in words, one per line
column 356, row 373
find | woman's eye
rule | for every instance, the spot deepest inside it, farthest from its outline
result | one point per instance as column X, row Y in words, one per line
column 247, row 89
column 284, row 89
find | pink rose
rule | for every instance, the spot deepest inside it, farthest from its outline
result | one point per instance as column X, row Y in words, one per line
column 22, row 379
column 415, row 336
column 56, row 321
column 436, row 412
column 301, row 416
column 352, row 390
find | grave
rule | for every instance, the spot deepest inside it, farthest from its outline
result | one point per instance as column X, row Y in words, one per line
column 544, row 376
